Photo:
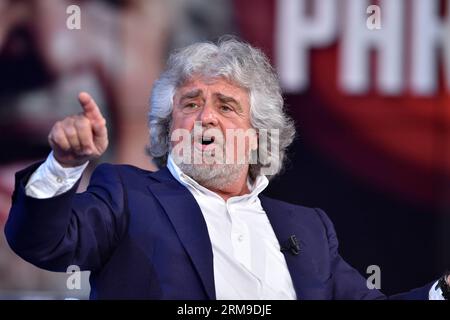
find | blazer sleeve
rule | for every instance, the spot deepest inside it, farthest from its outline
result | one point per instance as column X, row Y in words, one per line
column 70, row 229
column 348, row 283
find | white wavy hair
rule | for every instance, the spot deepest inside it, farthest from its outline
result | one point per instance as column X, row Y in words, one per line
column 239, row 63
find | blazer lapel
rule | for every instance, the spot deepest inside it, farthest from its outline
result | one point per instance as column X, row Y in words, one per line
column 187, row 219
column 302, row 267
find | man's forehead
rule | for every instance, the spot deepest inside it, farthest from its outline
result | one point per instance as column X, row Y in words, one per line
column 197, row 85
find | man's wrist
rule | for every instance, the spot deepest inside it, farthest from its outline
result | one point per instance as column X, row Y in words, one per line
column 57, row 169
column 51, row 179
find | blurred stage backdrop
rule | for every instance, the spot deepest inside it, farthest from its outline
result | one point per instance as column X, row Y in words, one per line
column 372, row 107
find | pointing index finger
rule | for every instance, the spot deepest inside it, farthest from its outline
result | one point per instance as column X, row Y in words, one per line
column 90, row 108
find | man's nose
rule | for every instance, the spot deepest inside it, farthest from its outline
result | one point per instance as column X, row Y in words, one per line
column 208, row 116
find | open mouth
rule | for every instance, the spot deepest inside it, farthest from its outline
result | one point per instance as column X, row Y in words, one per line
column 207, row 140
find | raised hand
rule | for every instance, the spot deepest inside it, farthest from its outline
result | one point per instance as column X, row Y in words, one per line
column 79, row 138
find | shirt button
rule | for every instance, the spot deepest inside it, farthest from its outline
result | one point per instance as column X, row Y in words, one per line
column 59, row 180
column 241, row 238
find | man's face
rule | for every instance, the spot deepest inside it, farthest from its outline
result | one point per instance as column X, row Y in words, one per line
column 216, row 113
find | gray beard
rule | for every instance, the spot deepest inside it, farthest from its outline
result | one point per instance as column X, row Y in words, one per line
column 213, row 176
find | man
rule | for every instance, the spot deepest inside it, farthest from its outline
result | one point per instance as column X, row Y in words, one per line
column 199, row 227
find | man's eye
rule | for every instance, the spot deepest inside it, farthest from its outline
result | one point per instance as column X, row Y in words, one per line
column 191, row 106
column 225, row 108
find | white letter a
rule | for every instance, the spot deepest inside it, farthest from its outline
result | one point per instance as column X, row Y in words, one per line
column 74, row 20
column 374, row 20
column 74, row 280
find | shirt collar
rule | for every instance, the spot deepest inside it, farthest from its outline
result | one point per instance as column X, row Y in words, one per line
column 256, row 188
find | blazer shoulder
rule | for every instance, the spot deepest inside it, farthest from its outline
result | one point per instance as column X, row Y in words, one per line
column 130, row 175
column 311, row 214
column 287, row 205
column 121, row 169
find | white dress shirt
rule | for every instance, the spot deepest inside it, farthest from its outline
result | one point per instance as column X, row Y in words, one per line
column 248, row 263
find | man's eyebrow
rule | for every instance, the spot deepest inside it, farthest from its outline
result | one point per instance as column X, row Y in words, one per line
column 227, row 99
column 192, row 94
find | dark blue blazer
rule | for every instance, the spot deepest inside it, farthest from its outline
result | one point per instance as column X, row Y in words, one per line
column 142, row 236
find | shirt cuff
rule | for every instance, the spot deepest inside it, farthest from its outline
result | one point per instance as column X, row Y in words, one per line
column 435, row 292
column 51, row 179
